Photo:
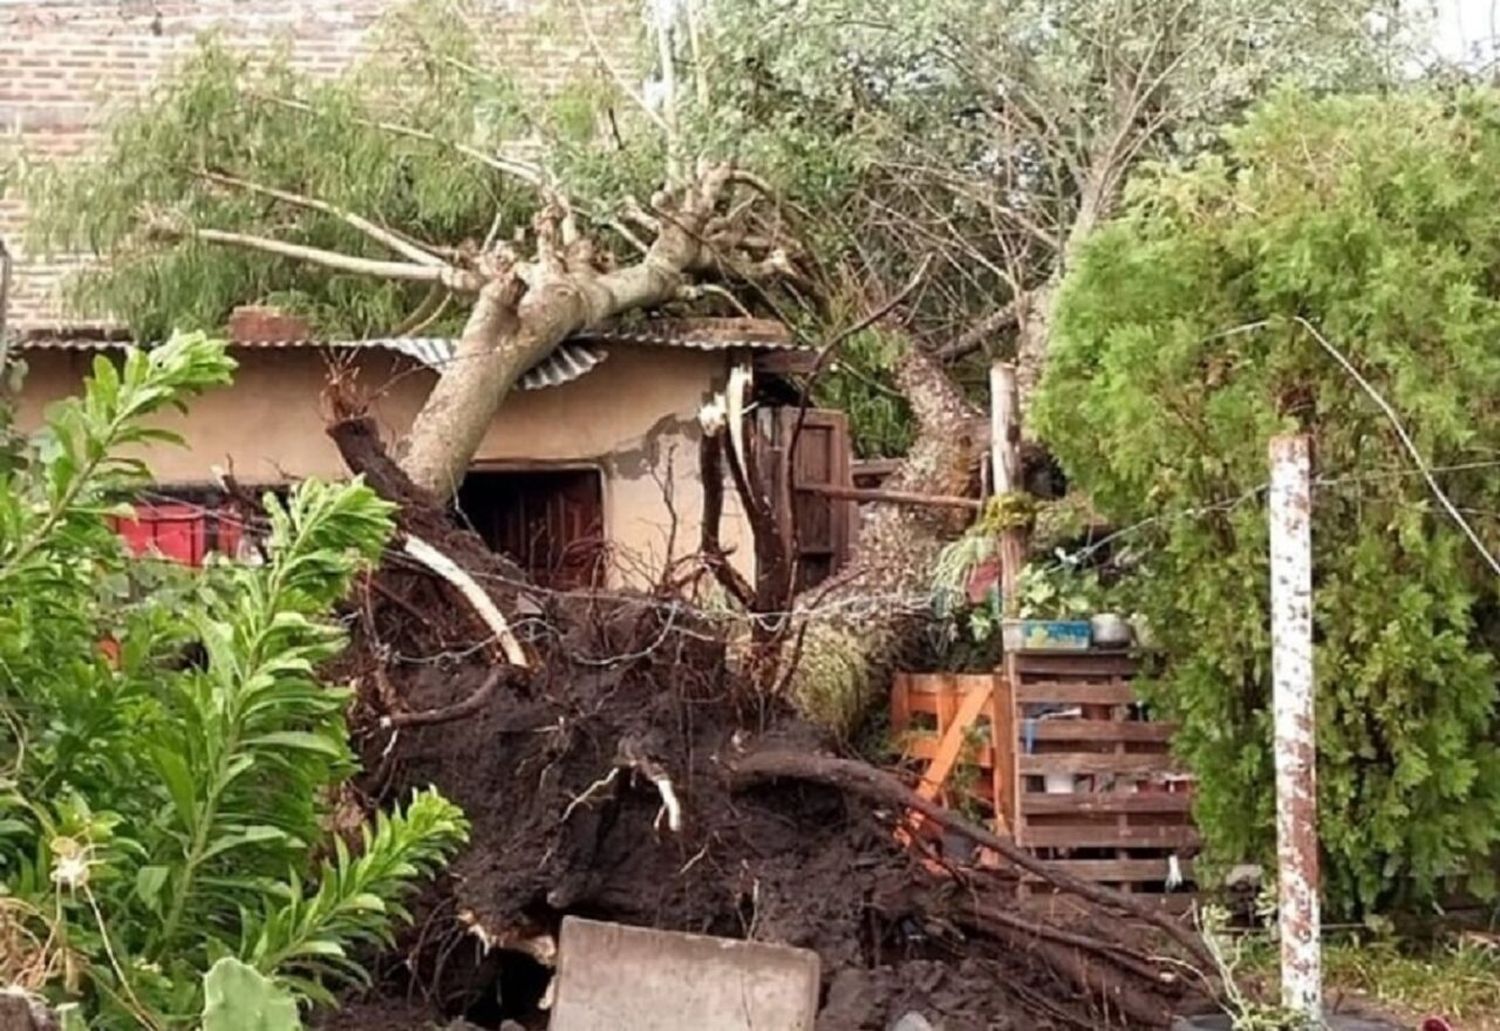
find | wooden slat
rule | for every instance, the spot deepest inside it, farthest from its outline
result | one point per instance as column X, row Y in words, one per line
column 1072, row 692
column 952, row 743
column 1110, row 836
column 925, row 747
column 1084, row 664
column 1120, row 869
column 1038, row 803
column 1084, row 762
column 1005, row 786
column 1101, row 730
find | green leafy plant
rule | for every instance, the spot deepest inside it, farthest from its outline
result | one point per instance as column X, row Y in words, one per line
column 161, row 809
column 1056, row 591
column 1184, row 346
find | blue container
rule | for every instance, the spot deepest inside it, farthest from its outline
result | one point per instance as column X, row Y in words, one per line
column 1046, row 635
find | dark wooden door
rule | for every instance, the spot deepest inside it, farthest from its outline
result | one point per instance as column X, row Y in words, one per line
column 550, row 522
column 819, row 529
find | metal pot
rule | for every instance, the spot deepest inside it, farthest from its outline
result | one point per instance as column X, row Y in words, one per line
column 1110, row 631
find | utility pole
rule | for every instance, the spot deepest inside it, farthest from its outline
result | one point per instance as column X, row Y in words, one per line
column 1294, row 705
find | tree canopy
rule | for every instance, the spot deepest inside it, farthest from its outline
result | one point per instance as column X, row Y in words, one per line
column 986, row 135
column 1205, row 321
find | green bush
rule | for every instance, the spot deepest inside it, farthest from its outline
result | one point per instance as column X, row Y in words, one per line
column 159, row 811
column 1180, row 354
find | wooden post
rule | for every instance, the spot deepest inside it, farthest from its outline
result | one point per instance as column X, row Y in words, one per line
column 1005, row 461
column 1294, row 705
column 1005, row 466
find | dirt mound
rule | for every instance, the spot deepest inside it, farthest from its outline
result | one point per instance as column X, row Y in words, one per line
column 556, row 775
column 629, row 776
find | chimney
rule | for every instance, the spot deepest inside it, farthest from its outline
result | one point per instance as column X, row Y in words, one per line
column 259, row 324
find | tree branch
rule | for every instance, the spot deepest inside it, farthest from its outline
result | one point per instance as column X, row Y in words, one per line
column 381, row 235
column 321, row 257
column 972, row 339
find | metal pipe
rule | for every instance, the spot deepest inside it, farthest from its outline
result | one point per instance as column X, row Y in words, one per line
column 1294, row 703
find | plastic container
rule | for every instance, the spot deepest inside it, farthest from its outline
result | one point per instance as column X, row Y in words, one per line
column 1046, row 635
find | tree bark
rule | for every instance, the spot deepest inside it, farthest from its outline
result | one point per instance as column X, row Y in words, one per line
column 852, row 633
column 525, row 310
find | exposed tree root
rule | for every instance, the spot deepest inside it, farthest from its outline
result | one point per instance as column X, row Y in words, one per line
column 866, row 781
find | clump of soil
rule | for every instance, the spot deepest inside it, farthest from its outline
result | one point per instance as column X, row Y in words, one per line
column 563, row 823
column 556, row 771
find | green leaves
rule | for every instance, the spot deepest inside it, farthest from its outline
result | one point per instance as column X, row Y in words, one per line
column 1177, row 357
column 149, row 807
column 237, row 997
column 354, row 902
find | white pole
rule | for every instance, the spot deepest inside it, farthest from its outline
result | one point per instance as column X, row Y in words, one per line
column 1294, row 703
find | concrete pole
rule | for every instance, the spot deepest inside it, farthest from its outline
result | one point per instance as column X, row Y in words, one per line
column 1294, row 703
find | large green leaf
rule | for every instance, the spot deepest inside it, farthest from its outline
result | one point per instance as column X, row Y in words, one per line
column 237, row 997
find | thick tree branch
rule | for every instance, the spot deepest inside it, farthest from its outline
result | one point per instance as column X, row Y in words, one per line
column 526, row 311
column 866, row 781
column 973, row 338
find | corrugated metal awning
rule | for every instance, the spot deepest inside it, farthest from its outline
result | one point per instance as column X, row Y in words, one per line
column 574, row 358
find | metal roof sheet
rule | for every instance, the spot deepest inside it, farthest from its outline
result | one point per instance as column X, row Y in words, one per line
column 574, row 358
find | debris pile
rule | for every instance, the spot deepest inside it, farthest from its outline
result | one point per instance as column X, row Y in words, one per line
column 628, row 775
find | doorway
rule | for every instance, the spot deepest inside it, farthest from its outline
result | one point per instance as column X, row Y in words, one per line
column 550, row 522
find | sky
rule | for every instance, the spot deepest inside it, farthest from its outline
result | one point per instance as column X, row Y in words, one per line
column 1464, row 25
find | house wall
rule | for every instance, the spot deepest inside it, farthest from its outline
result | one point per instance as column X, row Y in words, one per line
column 634, row 418
column 64, row 64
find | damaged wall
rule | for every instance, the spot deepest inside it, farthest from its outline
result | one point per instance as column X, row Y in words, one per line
column 634, row 418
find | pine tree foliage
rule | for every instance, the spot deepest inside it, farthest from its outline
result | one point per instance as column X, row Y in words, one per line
column 1180, row 355
column 159, row 812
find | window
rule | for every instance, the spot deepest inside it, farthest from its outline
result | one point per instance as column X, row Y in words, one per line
column 549, row 522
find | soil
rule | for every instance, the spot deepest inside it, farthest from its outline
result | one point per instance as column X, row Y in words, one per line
column 794, row 863
column 554, row 771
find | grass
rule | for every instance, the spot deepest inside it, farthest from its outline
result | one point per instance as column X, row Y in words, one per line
column 1458, row 979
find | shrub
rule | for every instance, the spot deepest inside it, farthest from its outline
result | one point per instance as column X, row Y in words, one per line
column 159, row 813
column 1180, row 353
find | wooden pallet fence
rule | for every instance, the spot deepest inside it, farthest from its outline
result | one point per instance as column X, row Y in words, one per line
column 1100, row 792
column 1064, row 762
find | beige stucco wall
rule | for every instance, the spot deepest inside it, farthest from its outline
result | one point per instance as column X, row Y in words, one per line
column 634, row 418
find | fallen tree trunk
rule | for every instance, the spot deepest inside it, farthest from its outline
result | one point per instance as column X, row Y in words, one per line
column 850, row 633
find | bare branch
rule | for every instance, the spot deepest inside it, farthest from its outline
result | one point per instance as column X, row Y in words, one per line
column 319, row 256
column 379, row 234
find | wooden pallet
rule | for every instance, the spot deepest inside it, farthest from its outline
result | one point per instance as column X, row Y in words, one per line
column 1127, row 822
column 960, row 724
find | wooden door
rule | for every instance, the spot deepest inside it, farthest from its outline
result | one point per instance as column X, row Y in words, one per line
column 817, row 530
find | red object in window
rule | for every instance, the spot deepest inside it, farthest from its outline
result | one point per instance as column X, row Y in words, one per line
column 175, row 531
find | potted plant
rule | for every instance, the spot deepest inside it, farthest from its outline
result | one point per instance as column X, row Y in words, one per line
column 1053, row 606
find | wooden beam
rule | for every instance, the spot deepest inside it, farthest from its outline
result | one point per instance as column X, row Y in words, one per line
column 1101, row 730
column 1066, row 692
column 1122, row 869
column 1098, row 763
column 1107, row 836
column 1089, row 803
column 890, row 497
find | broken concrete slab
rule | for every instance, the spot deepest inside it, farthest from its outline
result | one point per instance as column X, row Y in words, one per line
column 610, row 976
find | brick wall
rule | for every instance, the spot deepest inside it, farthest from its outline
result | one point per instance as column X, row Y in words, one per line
column 64, row 62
